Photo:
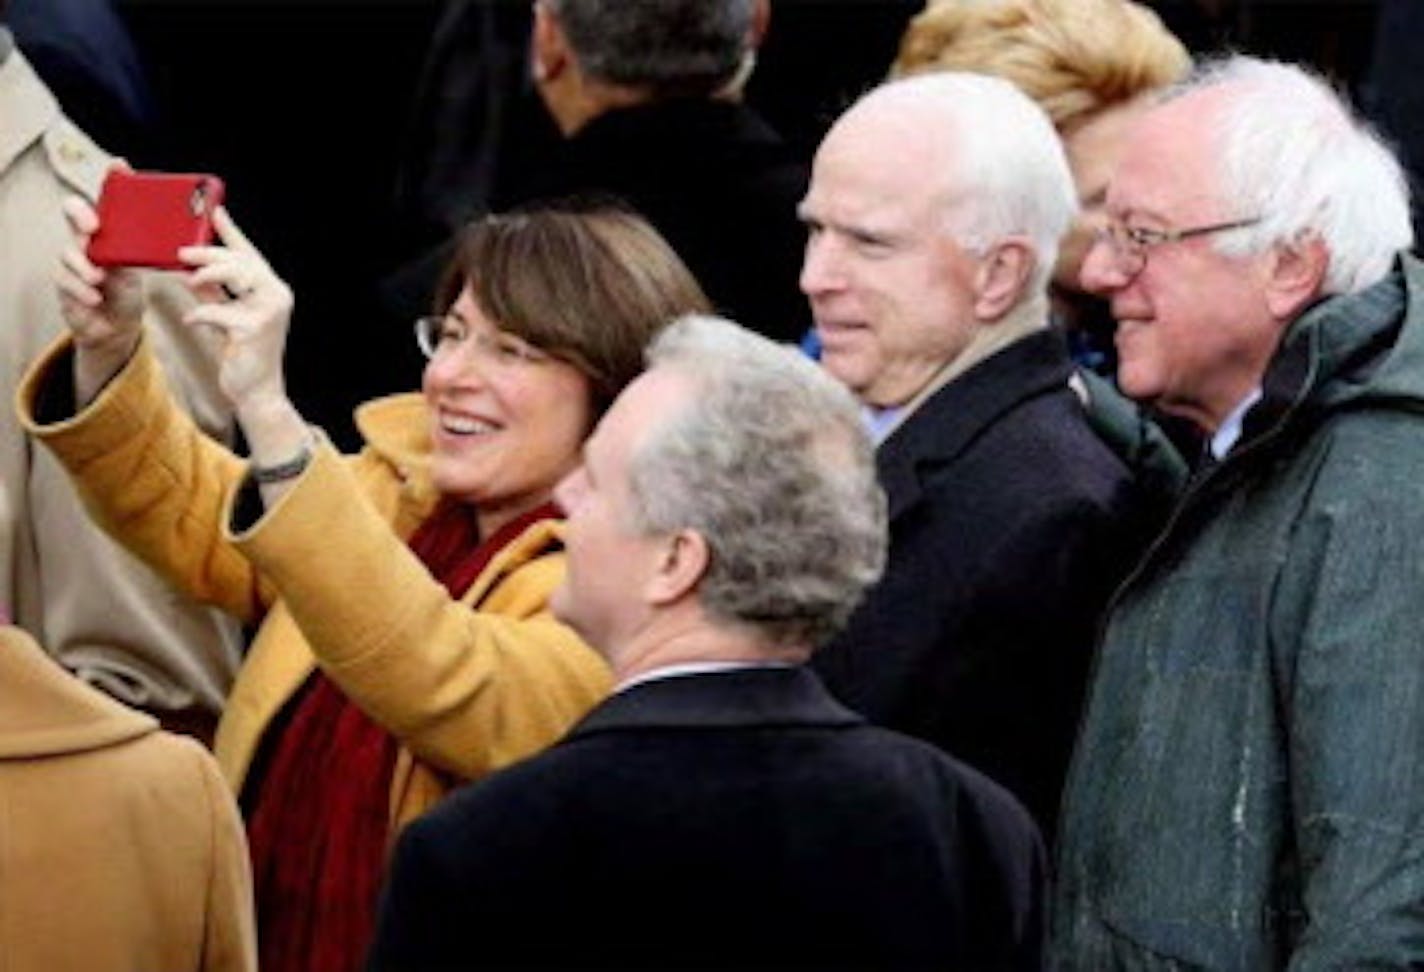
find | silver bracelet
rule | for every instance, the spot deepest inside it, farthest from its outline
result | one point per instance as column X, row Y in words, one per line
column 282, row 471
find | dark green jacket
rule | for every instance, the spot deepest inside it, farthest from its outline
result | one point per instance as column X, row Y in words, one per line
column 1248, row 789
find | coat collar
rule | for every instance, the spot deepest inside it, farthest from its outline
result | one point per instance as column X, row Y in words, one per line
column 29, row 110
column 743, row 698
column 29, row 115
column 48, row 712
column 396, row 428
column 1349, row 352
column 679, row 122
column 955, row 416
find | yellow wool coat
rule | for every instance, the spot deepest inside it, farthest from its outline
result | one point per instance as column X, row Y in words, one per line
column 120, row 846
column 466, row 686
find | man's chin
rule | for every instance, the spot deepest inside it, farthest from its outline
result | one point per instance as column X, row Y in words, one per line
column 1136, row 378
column 842, row 367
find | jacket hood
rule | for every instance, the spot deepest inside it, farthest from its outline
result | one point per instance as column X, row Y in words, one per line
column 1363, row 350
column 48, row 712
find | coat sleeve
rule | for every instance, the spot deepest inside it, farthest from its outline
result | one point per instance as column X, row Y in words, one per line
column 147, row 474
column 466, row 689
column 1349, row 661
column 230, row 934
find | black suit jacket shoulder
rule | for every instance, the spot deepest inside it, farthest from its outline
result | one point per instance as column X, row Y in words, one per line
column 734, row 820
column 716, row 180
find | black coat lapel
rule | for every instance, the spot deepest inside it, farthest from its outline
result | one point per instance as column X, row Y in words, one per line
column 953, row 417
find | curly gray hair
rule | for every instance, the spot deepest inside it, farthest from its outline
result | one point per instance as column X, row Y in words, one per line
column 770, row 463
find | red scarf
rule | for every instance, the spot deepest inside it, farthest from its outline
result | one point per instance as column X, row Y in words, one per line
column 320, row 809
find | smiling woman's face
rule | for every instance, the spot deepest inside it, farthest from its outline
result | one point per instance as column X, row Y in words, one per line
column 507, row 421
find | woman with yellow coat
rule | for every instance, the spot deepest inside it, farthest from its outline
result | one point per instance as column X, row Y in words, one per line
column 405, row 640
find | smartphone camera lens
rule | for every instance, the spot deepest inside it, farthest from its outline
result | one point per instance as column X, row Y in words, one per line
column 198, row 201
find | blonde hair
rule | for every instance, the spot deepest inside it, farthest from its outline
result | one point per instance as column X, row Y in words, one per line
column 1074, row 57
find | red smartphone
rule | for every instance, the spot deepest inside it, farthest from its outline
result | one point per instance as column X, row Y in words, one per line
column 144, row 217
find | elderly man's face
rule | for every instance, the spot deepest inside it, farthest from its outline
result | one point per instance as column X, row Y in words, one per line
column 1194, row 330
column 892, row 294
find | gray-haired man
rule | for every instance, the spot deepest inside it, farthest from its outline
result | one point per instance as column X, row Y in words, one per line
column 720, row 809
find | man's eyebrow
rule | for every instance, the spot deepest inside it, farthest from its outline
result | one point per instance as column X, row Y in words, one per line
column 870, row 234
column 851, row 228
column 1136, row 211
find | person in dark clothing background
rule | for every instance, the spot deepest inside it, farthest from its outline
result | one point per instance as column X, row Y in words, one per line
column 476, row 120
column 647, row 99
column 85, row 55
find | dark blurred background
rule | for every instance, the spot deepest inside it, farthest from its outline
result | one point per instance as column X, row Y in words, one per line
column 312, row 109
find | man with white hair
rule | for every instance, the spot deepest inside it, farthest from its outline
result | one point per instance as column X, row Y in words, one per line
column 1246, row 792
column 934, row 214
column 720, row 810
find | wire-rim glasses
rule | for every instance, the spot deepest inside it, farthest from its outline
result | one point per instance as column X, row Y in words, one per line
column 438, row 335
column 1131, row 245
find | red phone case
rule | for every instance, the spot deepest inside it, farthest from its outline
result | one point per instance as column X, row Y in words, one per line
column 144, row 217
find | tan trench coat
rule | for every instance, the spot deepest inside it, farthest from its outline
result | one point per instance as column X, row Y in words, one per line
column 120, row 847
column 97, row 609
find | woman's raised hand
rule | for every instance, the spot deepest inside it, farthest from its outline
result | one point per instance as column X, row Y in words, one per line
column 249, row 307
column 102, row 306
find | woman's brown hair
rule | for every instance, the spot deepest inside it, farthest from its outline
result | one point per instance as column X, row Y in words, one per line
column 589, row 284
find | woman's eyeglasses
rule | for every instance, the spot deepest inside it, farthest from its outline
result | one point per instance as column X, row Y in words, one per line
column 439, row 336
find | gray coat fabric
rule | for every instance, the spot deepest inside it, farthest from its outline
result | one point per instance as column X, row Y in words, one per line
column 1248, row 789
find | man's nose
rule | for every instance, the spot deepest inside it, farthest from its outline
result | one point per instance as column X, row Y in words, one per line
column 821, row 269
column 1101, row 272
